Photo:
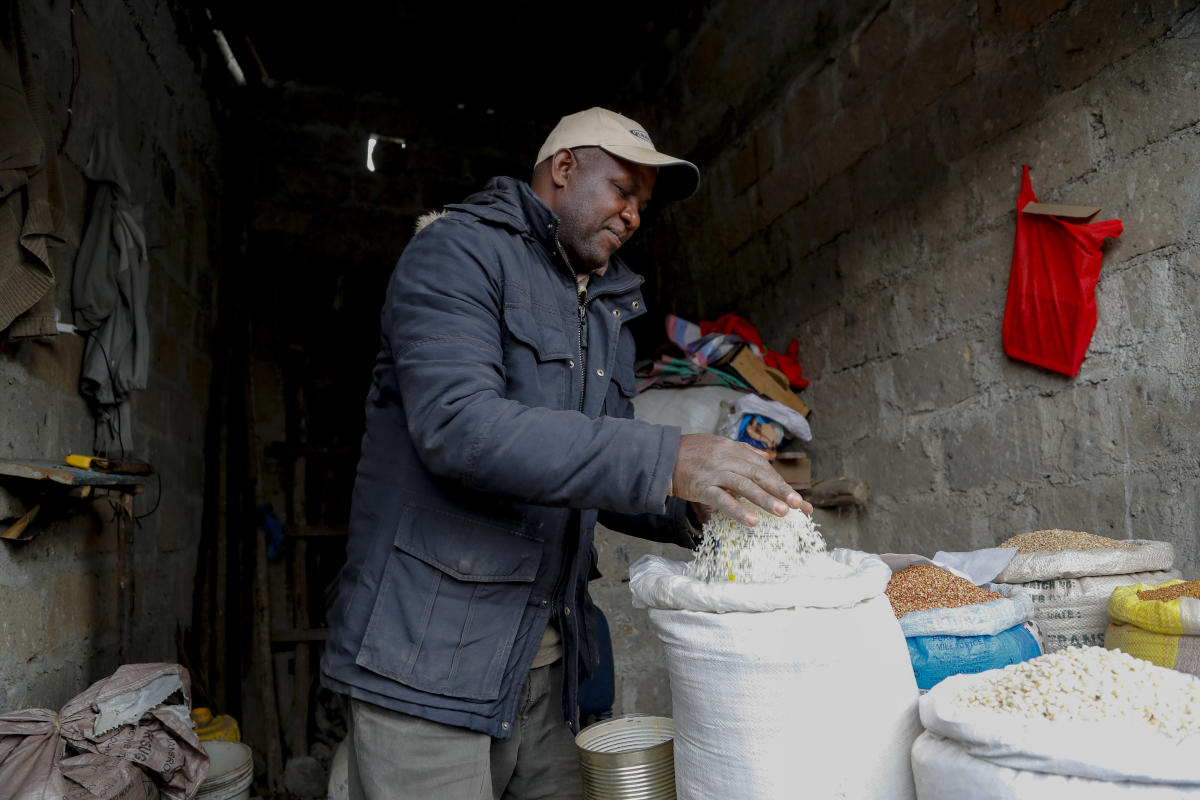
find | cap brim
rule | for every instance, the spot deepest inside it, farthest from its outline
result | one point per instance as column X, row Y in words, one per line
column 677, row 179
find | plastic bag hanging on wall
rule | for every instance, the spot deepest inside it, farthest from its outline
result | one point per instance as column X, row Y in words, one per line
column 1051, row 310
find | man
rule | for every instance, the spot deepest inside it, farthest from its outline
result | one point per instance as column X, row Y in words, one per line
column 498, row 422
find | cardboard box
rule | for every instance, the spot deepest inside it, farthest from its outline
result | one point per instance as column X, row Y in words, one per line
column 796, row 471
column 1080, row 213
column 760, row 377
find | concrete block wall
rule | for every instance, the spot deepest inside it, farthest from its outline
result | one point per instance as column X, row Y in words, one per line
column 142, row 73
column 860, row 187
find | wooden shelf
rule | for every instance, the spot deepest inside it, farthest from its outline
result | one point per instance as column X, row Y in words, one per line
column 67, row 476
column 58, row 482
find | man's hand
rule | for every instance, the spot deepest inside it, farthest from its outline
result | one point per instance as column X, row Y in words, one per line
column 714, row 470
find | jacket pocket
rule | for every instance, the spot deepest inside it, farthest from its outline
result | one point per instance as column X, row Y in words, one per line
column 541, row 328
column 618, row 399
column 539, row 352
column 450, row 604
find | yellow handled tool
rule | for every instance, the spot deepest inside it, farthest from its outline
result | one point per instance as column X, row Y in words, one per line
column 105, row 465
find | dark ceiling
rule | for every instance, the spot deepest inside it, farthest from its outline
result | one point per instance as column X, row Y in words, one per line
column 514, row 56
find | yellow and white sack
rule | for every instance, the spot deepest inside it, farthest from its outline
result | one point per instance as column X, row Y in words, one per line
column 1179, row 616
column 1164, row 632
column 1180, row 653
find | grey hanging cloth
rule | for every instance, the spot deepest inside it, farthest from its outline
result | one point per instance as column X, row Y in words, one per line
column 112, row 275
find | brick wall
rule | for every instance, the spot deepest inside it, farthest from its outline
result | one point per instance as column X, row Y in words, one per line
column 141, row 74
column 861, row 168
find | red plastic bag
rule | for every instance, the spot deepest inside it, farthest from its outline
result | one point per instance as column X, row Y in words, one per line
column 788, row 364
column 1051, row 310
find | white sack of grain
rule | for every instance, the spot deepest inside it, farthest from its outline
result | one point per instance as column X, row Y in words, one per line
column 1073, row 612
column 810, row 695
column 944, row 770
column 978, row 619
column 1109, row 739
column 1142, row 555
column 693, row 409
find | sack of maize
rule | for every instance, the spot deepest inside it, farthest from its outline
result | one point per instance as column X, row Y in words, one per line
column 1081, row 723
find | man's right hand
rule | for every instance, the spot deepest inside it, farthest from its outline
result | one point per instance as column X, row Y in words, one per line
column 715, row 471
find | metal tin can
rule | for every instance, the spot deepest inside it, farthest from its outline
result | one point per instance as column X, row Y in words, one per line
column 628, row 758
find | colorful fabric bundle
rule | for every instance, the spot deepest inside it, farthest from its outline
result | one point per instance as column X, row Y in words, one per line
column 788, row 364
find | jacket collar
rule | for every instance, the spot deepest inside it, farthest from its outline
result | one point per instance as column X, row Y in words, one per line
column 511, row 203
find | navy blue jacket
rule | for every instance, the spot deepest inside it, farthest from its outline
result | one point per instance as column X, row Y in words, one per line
column 498, row 424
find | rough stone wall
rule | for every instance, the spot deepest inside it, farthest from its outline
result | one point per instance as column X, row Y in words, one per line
column 59, row 628
column 859, row 195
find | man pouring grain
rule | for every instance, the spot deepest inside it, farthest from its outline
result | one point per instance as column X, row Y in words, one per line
column 498, row 430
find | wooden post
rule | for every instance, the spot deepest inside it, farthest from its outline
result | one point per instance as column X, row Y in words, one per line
column 302, row 670
column 266, row 666
column 262, row 604
column 122, row 506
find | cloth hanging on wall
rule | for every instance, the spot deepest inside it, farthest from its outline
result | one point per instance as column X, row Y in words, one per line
column 112, row 275
column 31, row 215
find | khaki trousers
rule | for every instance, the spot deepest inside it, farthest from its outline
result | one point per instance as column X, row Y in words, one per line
column 395, row 756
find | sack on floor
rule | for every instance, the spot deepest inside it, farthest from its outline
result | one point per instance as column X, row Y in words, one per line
column 979, row 619
column 813, row 696
column 1180, row 615
column 1168, row 650
column 1142, row 555
column 1112, row 750
column 935, row 658
column 944, row 770
column 103, row 741
column 1073, row 612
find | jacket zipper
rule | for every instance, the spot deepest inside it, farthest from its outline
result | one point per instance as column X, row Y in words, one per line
column 582, row 346
column 581, row 330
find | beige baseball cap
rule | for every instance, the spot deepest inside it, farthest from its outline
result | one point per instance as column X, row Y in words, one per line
column 625, row 139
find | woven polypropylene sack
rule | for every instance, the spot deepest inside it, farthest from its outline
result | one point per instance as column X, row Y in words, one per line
column 1142, row 555
column 694, row 409
column 1164, row 649
column 806, row 700
column 977, row 619
column 935, row 658
column 1179, row 616
column 943, row 770
column 1110, row 750
column 1073, row 612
